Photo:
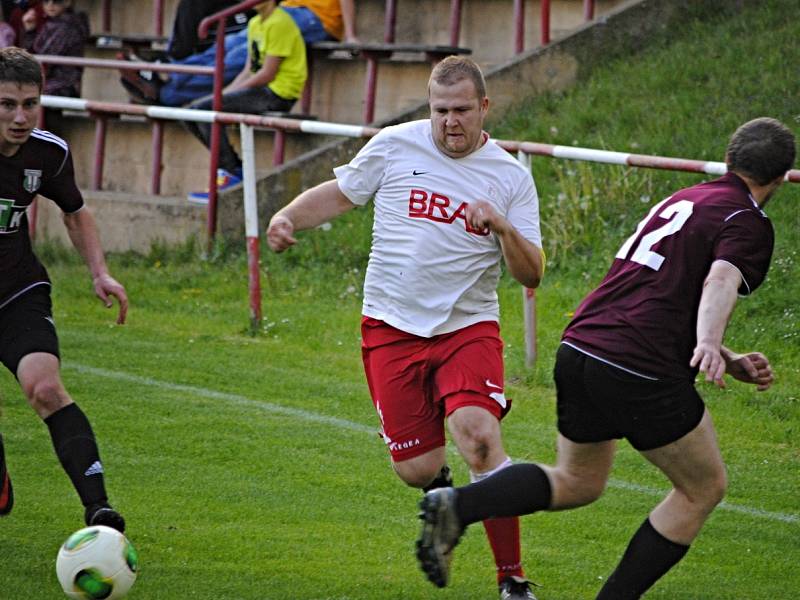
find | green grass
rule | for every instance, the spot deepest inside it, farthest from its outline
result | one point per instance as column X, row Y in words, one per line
column 247, row 465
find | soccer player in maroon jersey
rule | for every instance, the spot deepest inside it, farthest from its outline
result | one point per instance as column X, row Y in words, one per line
column 34, row 162
column 627, row 364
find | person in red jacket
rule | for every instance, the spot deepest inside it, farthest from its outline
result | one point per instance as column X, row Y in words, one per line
column 62, row 32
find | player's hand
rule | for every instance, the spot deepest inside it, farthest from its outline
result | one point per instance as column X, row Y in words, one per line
column 708, row 358
column 280, row 233
column 481, row 216
column 752, row 367
column 106, row 286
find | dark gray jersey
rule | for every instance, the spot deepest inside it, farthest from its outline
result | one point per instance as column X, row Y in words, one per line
column 43, row 165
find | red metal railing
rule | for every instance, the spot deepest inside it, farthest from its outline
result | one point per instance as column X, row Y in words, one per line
column 219, row 67
column 544, row 22
column 455, row 22
column 390, row 21
column 101, row 123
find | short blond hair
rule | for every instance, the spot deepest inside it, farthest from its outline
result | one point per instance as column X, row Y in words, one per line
column 453, row 69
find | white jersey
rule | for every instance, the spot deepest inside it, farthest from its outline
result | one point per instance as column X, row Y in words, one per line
column 428, row 272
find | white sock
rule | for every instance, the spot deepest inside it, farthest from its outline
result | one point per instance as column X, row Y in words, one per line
column 473, row 477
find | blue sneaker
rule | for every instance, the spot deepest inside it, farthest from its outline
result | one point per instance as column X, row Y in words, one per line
column 225, row 180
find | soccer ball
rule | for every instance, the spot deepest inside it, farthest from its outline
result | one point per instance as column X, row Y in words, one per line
column 97, row 563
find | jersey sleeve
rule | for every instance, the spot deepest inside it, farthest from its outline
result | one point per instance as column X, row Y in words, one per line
column 746, row 242
column 523, row 212
column 360, row 179
column 60, row 187
column 279, row 38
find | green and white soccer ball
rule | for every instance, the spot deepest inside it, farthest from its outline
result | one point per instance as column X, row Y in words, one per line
column 97, row 563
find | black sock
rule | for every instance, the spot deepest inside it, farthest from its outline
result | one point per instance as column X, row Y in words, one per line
column 649, row 555
column 76, row 448
column 443, row 479
column 516, row 490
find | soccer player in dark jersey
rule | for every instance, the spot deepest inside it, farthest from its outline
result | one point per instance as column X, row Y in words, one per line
column 34, row 162
column 627, row 364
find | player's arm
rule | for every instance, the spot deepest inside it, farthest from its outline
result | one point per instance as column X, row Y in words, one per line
column 717, row 301
column 313, row 207
column 524, row 259
column 83, row 233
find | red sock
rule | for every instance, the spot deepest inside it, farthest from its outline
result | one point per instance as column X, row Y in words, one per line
column 503, row 537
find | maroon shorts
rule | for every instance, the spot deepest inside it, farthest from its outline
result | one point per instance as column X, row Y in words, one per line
column 416, row 382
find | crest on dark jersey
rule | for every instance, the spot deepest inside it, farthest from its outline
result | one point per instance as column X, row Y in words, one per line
column 32, row 180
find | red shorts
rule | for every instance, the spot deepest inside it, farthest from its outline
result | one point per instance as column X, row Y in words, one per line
column 415, row 382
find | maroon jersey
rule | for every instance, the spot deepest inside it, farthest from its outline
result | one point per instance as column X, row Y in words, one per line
column 643, row 315
column 43, row 165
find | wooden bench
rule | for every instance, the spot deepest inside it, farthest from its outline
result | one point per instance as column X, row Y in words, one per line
column 373, row 52
column 384, row 51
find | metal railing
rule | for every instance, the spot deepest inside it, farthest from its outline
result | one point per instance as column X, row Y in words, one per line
column 219, row 18
column 101, row 116
column 247, row 123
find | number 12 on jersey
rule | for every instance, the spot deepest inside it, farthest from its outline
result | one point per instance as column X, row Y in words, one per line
column 677, row 215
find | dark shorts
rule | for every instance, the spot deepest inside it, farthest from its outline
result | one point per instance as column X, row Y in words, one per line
column 26, row 326
column 598, row 402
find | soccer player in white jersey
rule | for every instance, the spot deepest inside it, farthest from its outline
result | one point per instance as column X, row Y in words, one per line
column 449, row 205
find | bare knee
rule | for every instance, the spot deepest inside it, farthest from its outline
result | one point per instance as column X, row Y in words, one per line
column 476, row 446
column 46, row 396
column 711, row 493
column 415, row 476
column 571, row 490
column 419, row 471
column 477, row 435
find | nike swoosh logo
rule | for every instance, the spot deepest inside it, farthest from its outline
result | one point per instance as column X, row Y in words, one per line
column 415, row 172
column 499, row 398
column 490, row 384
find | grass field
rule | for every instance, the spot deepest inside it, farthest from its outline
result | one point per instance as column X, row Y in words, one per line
column 248, row 466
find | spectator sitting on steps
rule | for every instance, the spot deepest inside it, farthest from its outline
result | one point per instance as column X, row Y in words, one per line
column 64, row 33
column 14, row 10
column 184, row 41
column 8, row 36
column 272, row 80
column 318, row 20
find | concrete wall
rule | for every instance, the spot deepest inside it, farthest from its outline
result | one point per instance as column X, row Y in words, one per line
column 129, row 221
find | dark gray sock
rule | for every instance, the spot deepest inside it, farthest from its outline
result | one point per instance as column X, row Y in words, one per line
column 75, row 446
column 648, row 557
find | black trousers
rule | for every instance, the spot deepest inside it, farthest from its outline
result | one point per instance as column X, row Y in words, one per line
column 184, row 41
column 248, row 100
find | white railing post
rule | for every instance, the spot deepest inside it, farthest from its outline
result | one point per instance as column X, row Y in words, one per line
column 251, row 224
column 528, row 296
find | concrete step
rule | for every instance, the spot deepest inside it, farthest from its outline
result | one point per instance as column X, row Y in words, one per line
column 130, row 221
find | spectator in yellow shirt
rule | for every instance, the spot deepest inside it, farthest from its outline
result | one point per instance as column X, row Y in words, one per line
column 271, row 80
